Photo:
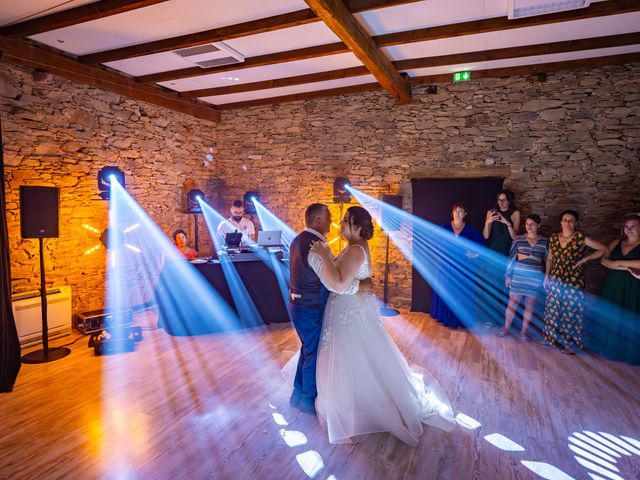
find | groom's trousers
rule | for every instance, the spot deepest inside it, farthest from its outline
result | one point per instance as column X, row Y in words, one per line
column 308, row 324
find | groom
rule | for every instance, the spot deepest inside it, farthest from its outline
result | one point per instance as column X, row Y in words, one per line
column 308, row 296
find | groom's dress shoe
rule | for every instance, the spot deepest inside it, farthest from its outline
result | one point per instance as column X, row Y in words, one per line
column 307, row 408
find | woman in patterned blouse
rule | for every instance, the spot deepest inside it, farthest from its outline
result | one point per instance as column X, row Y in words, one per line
column 525, row 274
column 564, row 282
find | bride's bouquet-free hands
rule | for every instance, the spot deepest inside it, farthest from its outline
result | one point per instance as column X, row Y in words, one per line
column 322, row 250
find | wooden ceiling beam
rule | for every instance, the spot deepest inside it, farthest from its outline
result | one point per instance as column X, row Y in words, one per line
column 277, row 82
column 521, row 51
column 539, row 68
column 250, row 62
column 600, row 9
column 73, row 16
column 262, row 25
column 446, row 78
column 20, row 52
column 331, row 92
column 442, row 60
column 610, row 7
column 342, row 22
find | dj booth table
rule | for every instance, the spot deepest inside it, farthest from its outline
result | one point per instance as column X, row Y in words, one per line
column 183, row 316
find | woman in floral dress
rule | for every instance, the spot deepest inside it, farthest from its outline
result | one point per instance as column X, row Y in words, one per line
column 564, row 282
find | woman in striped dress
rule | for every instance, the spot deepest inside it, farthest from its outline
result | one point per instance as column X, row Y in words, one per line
column 525, row 274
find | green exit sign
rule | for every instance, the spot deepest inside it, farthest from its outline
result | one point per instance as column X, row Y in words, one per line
column 461, row 77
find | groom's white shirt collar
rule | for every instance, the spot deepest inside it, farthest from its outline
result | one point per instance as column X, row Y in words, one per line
column 316, row 233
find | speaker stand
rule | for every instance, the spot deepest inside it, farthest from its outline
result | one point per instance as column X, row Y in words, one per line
column 195, row 230
column 45, row 355
column 385, row 310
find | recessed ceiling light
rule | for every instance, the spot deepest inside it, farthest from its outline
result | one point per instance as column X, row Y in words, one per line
column 234, row 79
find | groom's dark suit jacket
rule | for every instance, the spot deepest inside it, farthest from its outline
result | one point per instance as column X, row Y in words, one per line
column 306, row 288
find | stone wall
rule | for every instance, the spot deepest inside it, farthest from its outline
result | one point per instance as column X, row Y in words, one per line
column 58, row 133
column 571, row 141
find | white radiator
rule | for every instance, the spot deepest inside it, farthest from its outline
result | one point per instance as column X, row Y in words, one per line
column 28, row 315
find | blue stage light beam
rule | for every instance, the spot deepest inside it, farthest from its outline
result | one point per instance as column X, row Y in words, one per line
column 269, row 221
column 463, row 273
column 247, row 311
column 473, row 273
column 145, row 266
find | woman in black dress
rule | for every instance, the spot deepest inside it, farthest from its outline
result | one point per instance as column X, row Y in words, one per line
column 501, row 226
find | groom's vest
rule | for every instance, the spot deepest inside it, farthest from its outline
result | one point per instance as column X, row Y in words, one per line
column 306, row 288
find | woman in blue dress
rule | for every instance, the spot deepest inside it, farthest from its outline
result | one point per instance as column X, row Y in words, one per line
column 456, row 276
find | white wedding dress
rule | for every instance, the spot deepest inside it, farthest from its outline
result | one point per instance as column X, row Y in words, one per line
column 364, row 382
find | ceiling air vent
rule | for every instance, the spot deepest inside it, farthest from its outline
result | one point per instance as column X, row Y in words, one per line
column 199, row 50
column 531, row 8
column 210, row 55
column 217, row 62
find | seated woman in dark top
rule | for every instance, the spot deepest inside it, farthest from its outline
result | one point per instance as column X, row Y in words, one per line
column 439, row 309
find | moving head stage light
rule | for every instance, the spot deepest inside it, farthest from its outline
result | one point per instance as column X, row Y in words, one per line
column 105, row 175
column 193, row 206
column 249, row 206
column 340, row 192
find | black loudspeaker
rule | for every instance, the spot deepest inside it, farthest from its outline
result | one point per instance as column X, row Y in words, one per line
column 39, row 207
column 394, row 201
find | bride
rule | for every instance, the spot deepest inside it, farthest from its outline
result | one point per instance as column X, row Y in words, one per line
column 364, row 382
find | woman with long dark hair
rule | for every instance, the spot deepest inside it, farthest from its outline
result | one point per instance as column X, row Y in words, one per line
column 501, row 226
column 502, row 223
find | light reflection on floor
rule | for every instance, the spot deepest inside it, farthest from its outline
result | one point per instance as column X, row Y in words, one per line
column 503, row 443
column 310, row 461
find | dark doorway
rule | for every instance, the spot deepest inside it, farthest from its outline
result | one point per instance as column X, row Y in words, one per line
column 432, row 200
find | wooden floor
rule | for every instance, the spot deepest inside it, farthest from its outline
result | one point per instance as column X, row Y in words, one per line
column 215, row 407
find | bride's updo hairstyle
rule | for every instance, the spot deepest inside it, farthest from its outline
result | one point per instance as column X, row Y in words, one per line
column 359, row 217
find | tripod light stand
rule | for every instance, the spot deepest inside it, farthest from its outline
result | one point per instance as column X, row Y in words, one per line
column 193, row 206
column 395, row 201
column 385, row 310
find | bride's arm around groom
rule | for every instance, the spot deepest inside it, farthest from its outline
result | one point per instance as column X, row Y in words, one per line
column 339, row 275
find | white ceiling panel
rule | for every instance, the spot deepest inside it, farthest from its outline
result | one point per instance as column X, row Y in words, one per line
column 277, row 92
column 514, row 62
column 262, row 44
column 158, row 62
column 429, row 13
column 163, row 20
column 12, row 11
column 282, row 70
column 302, row 36
column 592, row 27
column 558, row 32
